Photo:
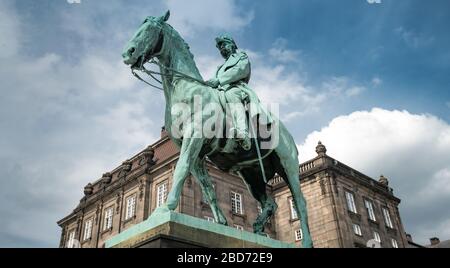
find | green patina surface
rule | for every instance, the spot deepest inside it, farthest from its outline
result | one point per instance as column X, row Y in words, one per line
column 159, row 218
column 183, row 84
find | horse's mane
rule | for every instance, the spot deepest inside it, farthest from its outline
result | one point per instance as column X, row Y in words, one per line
column 177, row 35
column 182, row 45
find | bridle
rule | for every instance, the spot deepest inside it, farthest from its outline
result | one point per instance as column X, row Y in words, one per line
column 170, row 72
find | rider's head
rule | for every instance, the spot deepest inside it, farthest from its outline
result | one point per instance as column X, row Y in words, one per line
column 226, row 45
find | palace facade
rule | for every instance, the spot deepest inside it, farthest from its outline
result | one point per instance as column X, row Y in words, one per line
column 345, row 207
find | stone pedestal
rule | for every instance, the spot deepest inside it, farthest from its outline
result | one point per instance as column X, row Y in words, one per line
column 166, row 229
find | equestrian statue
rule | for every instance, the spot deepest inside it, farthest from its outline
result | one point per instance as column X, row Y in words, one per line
column 256, row 158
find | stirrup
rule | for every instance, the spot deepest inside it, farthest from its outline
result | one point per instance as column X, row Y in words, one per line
column 242, row 138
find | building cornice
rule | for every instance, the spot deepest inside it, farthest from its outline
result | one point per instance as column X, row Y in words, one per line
column 307, row 171
column 324, row 163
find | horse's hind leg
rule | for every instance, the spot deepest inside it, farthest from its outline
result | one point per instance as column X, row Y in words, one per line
column 257, row 188
column 199, row 172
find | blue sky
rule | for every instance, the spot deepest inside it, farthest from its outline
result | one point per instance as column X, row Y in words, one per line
column 369, row 80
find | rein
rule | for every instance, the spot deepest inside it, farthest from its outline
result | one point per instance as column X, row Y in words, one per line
column 174, row 73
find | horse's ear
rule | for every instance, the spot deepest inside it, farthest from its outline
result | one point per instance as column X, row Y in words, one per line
column 165, row 17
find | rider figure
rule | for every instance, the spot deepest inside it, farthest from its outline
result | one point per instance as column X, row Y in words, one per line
column 233, row 77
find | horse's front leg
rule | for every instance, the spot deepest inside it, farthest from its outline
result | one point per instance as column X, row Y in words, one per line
column 190, row 149
column 201, row 174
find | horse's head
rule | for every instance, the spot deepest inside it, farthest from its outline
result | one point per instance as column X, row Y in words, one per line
column 147, row 42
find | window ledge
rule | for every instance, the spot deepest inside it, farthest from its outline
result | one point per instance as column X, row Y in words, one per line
column 107, row 230
column 129, row 219
column 359, row 245
column 374, row 223
column 234, row 214
column 391, row 230
column 87, row 240
column 354, row 215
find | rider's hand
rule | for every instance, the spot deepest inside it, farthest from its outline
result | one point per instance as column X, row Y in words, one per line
column 214, row 83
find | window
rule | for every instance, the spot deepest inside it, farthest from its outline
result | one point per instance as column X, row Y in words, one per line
column 210, row 219
column 131, row 207
column 376, row 237
column 357, row 229
column 87, row 230
column 161, row 194
column 239, row 227
column 394, row 243
column 387, row 218
column 108, row 218
column 294, row 215
column 236, row 203
column 71, row 240
column 370, row 211
column 350, row 202
column 298, row 235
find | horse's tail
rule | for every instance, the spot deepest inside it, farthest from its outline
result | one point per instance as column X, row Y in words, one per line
column 286, row 135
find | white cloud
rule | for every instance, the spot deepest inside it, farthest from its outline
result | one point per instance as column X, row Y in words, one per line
column 10, row 41
column 280, row 53
column 105, row 24
column 127, row 124
column 189, row 17
column 69, row 124
column 292, row 115
column 275, row 83
column 376, row 81
column 439, row 185
column 341, row 87
column 354, row 91
column 207, row 65
column 63, row 123
column 412, row 38
column 410, row 149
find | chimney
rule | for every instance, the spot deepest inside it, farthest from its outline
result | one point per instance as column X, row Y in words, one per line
column 434, row 241
column 163, row 132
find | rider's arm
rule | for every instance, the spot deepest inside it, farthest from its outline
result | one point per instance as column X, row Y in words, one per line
column 213, row 82
column 237, row 72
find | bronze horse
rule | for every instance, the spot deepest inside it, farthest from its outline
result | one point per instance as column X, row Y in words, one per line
column 181, row 82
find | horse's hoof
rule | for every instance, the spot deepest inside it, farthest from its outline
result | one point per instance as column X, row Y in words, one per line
column 162, row 209
column 223, row 222
column 261, row 233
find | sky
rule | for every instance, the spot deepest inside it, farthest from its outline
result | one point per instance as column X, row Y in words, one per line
column 370, row 79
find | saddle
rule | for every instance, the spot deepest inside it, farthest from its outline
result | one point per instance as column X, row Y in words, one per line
column 227, row 152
